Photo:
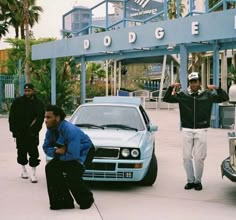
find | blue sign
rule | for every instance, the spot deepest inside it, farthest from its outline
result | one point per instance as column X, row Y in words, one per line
column 142, row 9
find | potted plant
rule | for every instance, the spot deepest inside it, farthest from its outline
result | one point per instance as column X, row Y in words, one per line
column 232, row 89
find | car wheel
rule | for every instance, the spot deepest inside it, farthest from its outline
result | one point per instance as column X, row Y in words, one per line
column 151, row 175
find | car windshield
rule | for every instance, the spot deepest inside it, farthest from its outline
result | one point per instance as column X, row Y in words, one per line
column 107, row 116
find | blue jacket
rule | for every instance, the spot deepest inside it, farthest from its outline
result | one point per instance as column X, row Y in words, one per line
column 77, row 142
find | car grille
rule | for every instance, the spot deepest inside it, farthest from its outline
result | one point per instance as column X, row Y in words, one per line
column 102, row 153
column 101, row 166
column 107, row 175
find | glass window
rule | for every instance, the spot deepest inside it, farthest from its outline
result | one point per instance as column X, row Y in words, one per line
column 106, row 115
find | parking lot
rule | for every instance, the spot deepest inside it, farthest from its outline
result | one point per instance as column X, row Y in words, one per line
column 165, row 200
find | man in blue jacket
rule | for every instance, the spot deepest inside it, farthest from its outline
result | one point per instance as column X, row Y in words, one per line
column 68, row 145
column 195, row 106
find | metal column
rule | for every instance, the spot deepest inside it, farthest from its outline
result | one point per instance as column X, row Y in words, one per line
column 162, row 80
column 215, row 109
column 53, row 82
column 119, row 78
column 83, row 80
column 107, row 75
column 183, row 66
column 114, row 81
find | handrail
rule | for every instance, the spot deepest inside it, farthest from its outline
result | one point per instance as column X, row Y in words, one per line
column 163, row 14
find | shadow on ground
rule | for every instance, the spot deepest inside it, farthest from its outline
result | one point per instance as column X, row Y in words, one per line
column 113, row 186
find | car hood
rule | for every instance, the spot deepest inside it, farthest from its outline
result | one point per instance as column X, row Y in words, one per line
column 116, row 138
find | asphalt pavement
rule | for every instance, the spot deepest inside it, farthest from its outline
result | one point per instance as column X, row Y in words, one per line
column 165, row 200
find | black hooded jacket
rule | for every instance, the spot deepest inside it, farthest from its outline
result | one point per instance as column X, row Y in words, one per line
column 195, row 109
column 26, row 116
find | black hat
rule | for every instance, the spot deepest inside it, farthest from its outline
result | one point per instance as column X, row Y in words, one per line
column 28, row 86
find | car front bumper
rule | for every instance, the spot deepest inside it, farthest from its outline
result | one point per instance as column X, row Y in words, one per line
column 122, row 170
column 116, row 170
column 227, row 170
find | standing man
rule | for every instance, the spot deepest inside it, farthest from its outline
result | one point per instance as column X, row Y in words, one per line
column 195, row 113
column 68, row 145
column 25, row 120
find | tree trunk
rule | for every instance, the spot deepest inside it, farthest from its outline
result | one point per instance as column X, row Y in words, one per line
column 16, row 32
column 22, row 31
column 27, row 43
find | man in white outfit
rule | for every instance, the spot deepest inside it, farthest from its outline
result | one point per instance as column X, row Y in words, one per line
column 195, row 106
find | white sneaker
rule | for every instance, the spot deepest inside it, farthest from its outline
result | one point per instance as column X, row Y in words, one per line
column 34, row 179
column 24, row 175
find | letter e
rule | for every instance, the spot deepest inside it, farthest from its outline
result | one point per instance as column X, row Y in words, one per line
column 195, row 26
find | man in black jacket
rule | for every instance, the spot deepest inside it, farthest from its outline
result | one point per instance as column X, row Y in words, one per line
column 195, row 113
column 25, row 120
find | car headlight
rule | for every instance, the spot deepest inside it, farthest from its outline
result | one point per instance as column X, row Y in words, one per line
column 134, row 153
column 125, row 152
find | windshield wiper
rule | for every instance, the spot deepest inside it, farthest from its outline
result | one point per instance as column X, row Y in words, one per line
column 89, row 126
column 125, row 127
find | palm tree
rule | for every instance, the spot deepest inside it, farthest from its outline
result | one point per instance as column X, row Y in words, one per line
column 94, row 69
column 3, row 23
column 14, row 14
column 10, row 7
column 3, row 26
column 21, row 14
column 33, row 14
column 212, row 3
column 172, row 9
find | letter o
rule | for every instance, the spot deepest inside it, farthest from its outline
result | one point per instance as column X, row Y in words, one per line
column 107, row 41
column 132, row 37
column 86, row 44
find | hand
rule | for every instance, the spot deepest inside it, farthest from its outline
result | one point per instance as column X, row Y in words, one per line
column 61, row 150
column 211, row 87
column 176, row 85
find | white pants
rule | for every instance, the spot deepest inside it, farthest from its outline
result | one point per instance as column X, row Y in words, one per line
column 194, row 147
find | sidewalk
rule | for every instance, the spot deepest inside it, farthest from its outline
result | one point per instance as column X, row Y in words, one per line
column 23, row 200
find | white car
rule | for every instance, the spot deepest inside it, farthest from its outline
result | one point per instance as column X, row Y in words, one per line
column 228, row 166
column 124, row 139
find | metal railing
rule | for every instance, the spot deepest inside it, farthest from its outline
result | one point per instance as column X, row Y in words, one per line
column 10, row 87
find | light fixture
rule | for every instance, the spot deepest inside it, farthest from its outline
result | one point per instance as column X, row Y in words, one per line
column 142, row 48
column 171, row 47
column 108, row 52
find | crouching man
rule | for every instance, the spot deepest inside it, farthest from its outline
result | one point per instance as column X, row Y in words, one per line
column 68, row 145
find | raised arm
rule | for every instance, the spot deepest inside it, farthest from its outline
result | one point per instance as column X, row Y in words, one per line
column 171, row 95
column 218, row 94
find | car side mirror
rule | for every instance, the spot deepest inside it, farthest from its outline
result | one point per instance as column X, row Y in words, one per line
column 152, row 128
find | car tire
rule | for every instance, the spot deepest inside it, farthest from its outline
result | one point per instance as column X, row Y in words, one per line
column 151, row 175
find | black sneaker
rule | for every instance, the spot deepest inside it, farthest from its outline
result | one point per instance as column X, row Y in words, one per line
column 198, row 186
column 58, row 207
column 87, row 205
column 189, row 186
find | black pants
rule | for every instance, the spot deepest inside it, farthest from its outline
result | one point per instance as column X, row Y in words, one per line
column 28, row 145
column 63, row 179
